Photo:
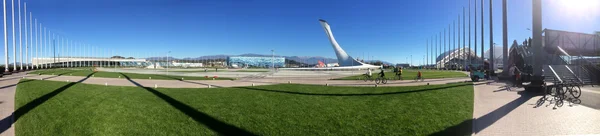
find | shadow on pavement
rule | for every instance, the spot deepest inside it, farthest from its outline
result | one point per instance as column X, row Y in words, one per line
column 218, row 126
column 479, row 124
column 8, row 121
column 15, row 84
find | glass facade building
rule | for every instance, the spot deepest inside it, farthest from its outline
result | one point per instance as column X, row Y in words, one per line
column 266, row 62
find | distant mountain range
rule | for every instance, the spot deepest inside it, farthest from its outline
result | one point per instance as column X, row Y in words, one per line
column 303, row 59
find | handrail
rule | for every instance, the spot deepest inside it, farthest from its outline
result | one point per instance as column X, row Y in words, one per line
column 593, row 75
column 555, row 75
column 573, row 73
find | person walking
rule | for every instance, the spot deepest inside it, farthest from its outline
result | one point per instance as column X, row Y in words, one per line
column 513, row 71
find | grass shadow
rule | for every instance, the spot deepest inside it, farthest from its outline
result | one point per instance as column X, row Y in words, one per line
column 8, row 121
column 200, row 117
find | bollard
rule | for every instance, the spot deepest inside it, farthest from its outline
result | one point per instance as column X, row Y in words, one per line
column 41, row 78
column 252, row 84
column 289, row 82
column 105, row 84
column 155, row 86
column 326, row 84
column 208, row 86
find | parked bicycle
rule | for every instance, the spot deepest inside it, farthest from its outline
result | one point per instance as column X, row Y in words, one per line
column 574, row 89
column 557, row 93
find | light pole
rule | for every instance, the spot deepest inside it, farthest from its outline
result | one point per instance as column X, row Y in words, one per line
column 168, row 62
column 492, row 57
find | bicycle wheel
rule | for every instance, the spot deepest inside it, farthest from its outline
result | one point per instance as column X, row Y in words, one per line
column 559, row 102
column 575, row 91
column 377, row 80
column 384, row 80
column 366, row 78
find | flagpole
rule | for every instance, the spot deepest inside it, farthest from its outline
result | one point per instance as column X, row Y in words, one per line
column 20, row 39
column 13, row 37
column 26, row 40
column 5, row 40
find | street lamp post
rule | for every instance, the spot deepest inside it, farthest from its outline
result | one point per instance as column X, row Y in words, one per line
column 168, row 62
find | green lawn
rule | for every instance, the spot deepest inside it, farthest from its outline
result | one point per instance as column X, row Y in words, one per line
column 86, row 72
column 411, row 74
column 61, row 108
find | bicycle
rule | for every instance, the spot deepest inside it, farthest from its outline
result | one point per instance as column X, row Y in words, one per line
column 367, row 78
column 398, row 77
column 574, row 89
column 421, row 78
column 381, row 80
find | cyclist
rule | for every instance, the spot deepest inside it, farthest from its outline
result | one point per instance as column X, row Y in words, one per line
column 369, row 73
column 381, row 74
column 419, row 75
column 399, row 72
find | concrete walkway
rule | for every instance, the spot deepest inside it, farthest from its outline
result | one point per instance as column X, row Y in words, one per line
column 498, row 111
column 237, row 83
column 8, row 85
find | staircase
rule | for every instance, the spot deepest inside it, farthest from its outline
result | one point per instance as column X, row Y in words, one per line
column 564, row 73
column 550, row 75
column 585, row 75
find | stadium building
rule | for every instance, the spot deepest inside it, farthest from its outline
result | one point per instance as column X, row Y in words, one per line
column 263, row 62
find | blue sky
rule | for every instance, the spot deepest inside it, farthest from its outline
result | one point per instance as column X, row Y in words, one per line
column 389, row 30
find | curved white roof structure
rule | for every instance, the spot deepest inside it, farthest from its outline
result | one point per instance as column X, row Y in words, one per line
column 453, row 56
column 344, row 60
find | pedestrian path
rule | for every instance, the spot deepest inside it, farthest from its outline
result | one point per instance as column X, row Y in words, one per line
column 498, row 111
column 238, row 83
column 8, row 85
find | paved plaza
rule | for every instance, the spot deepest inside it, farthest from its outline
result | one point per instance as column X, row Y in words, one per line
column 497, row 110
